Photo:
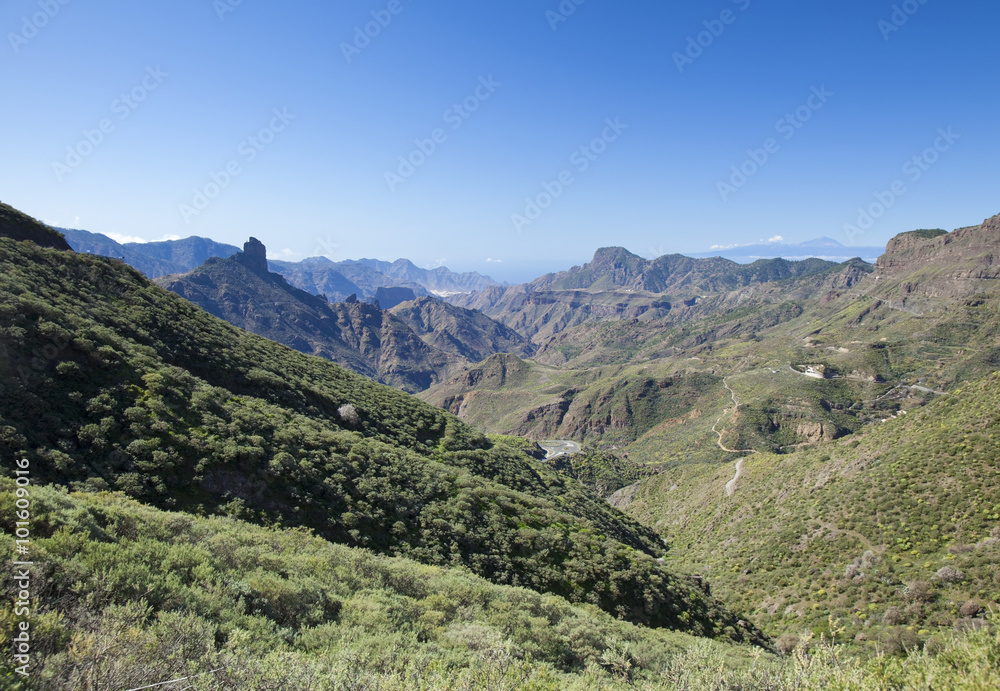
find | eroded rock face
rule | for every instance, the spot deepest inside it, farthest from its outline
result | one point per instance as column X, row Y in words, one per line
column 906, row 249
column 387, row 298
column 623, row 497
column 951, row 265
column 815, row 432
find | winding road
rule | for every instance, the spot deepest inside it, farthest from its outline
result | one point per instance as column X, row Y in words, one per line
column 736, row 406
column 554, row 449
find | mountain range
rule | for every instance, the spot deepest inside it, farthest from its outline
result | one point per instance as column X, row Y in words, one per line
column 153, row 259
column 822, row 442
column 601, row 331
column 412, row 346
column 798, row 456
column 316, row 275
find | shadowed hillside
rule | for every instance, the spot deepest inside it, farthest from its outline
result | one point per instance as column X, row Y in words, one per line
column 19, row 226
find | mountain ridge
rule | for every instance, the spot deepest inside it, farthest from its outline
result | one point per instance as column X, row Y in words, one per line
column 411, row 346
column 316, row 275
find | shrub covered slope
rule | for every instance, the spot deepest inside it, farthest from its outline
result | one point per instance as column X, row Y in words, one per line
column 110, row 382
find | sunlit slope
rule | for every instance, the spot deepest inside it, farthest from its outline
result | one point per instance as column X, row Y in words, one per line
column 894, row 533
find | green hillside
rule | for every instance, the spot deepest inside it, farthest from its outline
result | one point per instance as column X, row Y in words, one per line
column 285, row 609
column 614, row 404
column 130, row 596
column 210, row 504
column 111, row 382
column 891, row 537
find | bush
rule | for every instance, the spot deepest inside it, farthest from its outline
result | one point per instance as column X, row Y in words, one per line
column 970, row 609
column 949, row 574
column 919, row 591
column 348, row 415
column 787, row 643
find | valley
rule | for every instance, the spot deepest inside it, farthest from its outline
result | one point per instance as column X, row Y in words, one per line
column 500, row 346
column 780, row 455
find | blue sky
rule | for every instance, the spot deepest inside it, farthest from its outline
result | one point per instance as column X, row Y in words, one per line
column 576, row 126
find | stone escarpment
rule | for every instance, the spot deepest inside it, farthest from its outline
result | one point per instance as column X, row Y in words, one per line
column 935, row 264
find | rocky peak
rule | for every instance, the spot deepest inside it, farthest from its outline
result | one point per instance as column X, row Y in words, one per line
column 920, row 248
column 915, row 245
column 254, row 256
column 615, row 256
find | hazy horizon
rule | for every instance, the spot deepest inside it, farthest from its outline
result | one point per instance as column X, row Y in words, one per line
column 527, row 270
column 471, row 135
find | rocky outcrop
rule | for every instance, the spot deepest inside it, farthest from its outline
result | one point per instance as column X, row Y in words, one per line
column 623, row 497
column 815, row 432
column 254, row 256
column 934, row 265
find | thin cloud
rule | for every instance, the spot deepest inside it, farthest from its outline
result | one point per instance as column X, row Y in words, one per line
column 285, row 254
column 123, row 239
column 729, row 247
column 777, row 239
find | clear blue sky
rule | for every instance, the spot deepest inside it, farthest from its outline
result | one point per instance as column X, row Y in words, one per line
column 212, row 74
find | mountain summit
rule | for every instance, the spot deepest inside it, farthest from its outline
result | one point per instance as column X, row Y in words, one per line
column 922, row 264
